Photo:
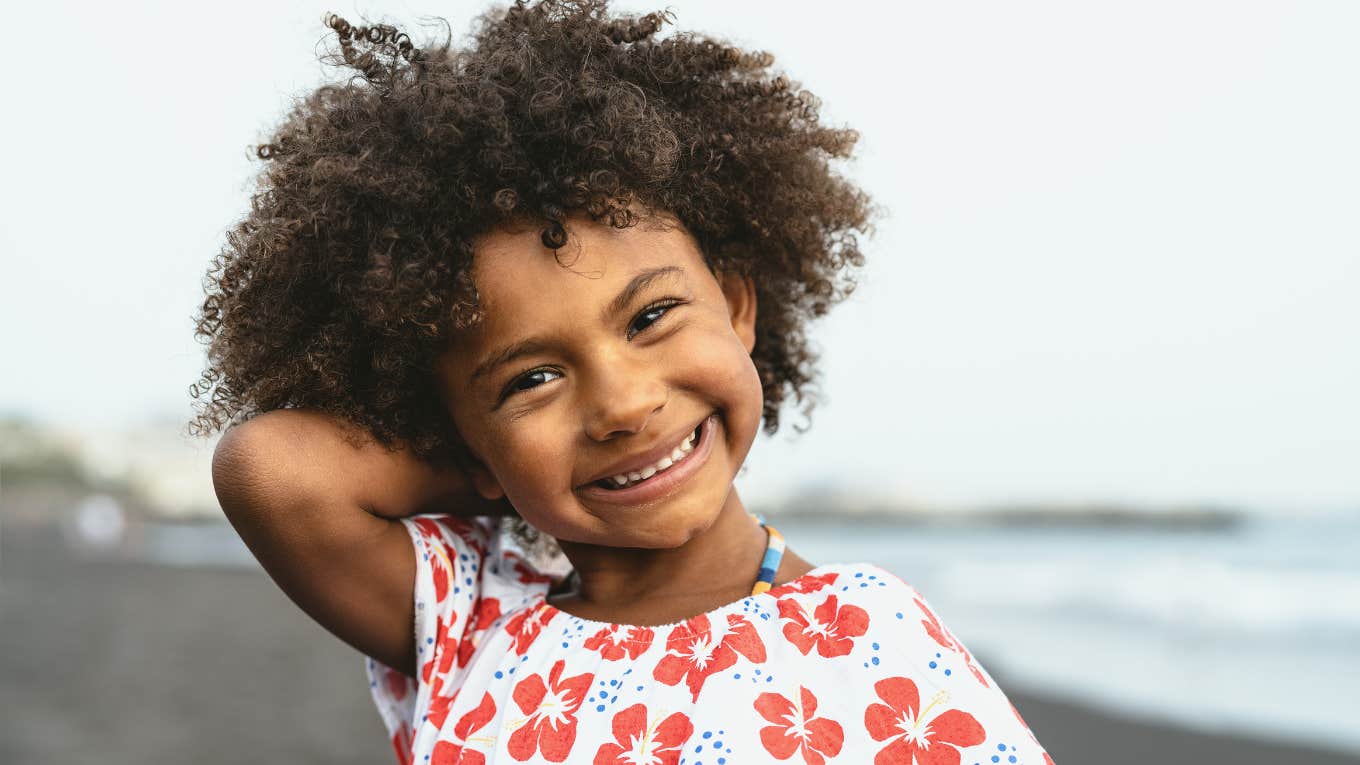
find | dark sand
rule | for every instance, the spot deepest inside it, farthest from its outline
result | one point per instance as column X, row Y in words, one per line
column 116, row 662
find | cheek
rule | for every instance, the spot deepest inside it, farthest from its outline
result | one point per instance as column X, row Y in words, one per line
column 719, row 365
column 533, row 454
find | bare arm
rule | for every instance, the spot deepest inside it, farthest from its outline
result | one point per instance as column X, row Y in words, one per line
column 319, row 513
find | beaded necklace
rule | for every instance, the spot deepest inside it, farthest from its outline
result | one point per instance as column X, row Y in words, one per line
column 774, row 551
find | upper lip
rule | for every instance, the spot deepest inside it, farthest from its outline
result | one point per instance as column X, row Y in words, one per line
column 636, row 462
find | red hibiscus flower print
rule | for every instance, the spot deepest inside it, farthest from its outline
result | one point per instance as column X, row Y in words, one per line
column 402, row 741
column 804, row 584
column 551, row 707
column 446, row 651
column 527, row 624
column 398, row 685
column 644, row 739
column 441, row 567
column 797, row 728
column 449, row 648
column 830, row 629
column 466, row 530
column 694, row 650
column 488, row 611
column 944, row 637
column 614, row 643
column 911, row 733
column 467, row 749
column 439, row 702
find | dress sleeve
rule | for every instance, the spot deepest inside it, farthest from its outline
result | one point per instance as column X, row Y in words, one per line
column 961, row 683
column 450, row 552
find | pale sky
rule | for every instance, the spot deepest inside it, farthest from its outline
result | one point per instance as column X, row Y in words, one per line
column 1120, row 260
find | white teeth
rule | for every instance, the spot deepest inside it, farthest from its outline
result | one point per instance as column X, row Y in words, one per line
column 664, row 463
column 689, row 443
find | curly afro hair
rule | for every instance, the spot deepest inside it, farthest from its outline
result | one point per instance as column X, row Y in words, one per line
column 340, row 287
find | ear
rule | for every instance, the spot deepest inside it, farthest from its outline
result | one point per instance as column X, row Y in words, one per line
column 740, row 292
column 483, row 482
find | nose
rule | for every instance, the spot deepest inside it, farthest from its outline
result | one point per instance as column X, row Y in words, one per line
column 623, row 400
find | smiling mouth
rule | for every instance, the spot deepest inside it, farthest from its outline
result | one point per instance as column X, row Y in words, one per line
column 679, row 456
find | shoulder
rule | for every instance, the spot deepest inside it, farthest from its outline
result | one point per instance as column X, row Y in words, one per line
column 864, row 599
column 869, row 650
column 862, row 584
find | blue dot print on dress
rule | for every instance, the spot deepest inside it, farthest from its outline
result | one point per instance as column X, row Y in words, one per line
column 1011, row 759
column 936, row 665
column 712, row 749
column 873, row 660
column 606, row 693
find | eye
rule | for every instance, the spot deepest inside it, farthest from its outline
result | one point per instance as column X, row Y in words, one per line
column 653, row 314
column 528, row 381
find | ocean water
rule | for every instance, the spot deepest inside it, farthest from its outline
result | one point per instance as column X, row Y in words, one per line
column 1252, row 630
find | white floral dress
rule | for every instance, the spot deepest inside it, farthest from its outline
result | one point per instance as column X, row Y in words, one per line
column 845, row 664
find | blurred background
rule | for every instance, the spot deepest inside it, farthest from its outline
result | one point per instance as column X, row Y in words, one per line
column 1095, row 397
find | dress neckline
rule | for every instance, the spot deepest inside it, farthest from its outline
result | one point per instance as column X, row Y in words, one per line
column 540, row 601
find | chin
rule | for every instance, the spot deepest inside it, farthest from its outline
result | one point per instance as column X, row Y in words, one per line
column 683, row 527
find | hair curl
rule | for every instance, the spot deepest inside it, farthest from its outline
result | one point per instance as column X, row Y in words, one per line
column 341, row 285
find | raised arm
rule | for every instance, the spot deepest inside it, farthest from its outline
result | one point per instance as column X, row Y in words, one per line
column 320, row 514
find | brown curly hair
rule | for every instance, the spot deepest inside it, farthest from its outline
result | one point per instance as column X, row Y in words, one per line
column 340, row 287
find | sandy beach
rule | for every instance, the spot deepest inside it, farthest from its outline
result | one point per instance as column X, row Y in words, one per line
column 119, row 662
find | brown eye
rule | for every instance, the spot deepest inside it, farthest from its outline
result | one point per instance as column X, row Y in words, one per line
column 528, row 381
column 652, row 314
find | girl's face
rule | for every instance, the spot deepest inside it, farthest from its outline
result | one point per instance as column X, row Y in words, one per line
column 601, row 364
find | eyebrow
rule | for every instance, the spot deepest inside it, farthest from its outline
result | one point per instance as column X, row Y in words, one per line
column 635, row 285
column 532, row 345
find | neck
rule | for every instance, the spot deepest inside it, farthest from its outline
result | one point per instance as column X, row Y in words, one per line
column 720, row 560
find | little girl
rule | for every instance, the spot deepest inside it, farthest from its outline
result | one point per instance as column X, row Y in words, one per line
column 556, row 282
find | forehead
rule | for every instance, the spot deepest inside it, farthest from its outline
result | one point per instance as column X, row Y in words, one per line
column 595, row 254
column 523, row 289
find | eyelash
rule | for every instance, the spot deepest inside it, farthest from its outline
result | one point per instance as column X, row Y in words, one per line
column 668, row 303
